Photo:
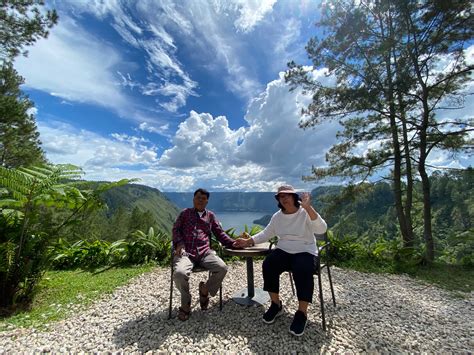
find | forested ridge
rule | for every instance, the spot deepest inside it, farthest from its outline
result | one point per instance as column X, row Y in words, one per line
column 366, row 214
column 229, row 201
column 141, row 205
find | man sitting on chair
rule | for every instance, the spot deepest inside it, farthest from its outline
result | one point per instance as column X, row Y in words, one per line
column 191, row 240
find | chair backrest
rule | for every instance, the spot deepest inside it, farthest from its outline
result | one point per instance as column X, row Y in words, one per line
column 324, row 247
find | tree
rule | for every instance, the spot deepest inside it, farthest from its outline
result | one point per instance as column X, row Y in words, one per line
column 23, row 22
column 436, row 31
column 140, row 220
column 384, row 55
column 19, row 138
column 358, row 50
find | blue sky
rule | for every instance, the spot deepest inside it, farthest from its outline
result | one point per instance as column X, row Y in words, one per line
column 180, row 94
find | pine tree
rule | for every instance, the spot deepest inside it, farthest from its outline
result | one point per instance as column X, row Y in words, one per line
column 386, row 57
column 22, row 23
column 19, row 138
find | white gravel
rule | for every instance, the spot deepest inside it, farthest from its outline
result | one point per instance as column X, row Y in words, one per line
column 374, row 313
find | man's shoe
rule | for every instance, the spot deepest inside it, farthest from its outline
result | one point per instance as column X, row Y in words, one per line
column 273, row 313
column 298, row 324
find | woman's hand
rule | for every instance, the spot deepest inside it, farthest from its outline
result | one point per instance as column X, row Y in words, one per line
column 305, row 200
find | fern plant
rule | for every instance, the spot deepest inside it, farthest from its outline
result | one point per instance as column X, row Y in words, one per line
column 144, row 247
column 28, row 199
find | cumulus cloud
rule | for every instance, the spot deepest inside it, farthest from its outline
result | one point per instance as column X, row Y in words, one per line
column 63, row 143
column 110, row 158
column 271, row 150
column 201, row 140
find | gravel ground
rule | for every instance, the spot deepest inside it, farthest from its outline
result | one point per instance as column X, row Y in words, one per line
column 374, row 313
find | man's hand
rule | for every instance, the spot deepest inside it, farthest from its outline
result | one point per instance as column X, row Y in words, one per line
column 242, row 243
column 178, row 250
column 305, row 200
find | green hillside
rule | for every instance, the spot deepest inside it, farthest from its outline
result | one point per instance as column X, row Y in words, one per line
column 125, row 209
column 144, row 198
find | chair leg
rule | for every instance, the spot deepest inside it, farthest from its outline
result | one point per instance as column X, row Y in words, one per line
column 291, row 283
column 220, row 298
column 332, row 288
column 171, row 295
column 321, row 300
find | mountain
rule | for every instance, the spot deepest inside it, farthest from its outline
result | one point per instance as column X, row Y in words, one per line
column 146, row 199
column 229, row 201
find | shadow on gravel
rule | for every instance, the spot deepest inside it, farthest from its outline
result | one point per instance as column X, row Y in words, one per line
column 216, row 331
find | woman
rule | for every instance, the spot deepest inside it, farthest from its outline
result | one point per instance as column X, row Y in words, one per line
column 294, row 225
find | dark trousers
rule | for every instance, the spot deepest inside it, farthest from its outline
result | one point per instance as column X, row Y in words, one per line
column 301, row 266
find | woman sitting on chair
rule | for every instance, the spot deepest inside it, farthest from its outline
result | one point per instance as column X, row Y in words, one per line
column 294, row 225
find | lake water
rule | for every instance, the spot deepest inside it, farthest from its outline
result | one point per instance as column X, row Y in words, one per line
column 238, row 220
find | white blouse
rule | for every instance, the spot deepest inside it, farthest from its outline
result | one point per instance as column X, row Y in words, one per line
column 295, row 232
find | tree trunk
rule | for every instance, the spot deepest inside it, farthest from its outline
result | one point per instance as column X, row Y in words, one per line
column 414, row 55
column 409, row 175
column 425, row 181
column 397, row 171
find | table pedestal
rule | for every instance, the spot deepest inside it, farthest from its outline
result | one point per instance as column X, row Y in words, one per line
column 250, row 296
column 259, row 298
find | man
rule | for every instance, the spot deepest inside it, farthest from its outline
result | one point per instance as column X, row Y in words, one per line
column 191, row 240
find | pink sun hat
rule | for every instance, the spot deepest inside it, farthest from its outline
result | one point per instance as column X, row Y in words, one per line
column 286, row 189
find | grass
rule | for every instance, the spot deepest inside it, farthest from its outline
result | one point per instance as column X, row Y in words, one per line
column 454, row 278
column 450, row 277
column 61, row 292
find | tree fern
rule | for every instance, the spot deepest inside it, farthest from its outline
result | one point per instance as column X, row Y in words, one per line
column 26, row 196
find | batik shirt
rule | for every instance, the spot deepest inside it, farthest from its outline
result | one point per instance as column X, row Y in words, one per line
column 194, row 232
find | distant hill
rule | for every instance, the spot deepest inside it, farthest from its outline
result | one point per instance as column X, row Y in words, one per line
column 229, row 201
column 146, row 199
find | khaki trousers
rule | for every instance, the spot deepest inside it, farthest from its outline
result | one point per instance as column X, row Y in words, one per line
column 183, row 267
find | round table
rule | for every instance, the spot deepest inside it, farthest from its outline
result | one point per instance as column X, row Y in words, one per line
column 250, row 296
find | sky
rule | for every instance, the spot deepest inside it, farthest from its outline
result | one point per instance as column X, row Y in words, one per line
column 180, row 94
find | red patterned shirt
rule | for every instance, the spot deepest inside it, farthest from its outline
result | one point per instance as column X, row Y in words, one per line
column 194, row 232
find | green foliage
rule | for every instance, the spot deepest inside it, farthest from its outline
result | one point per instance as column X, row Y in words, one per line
column 26, row 193
column 28, row 225
column 138, row 248
column 364, row 214
column 23, row 23
column 144, row 247
column 129, row 208
column 81, row 254
column 19, row 138
column 384, row 57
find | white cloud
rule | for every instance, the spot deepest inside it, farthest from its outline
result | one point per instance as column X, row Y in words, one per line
column 206, row 28
column 274, row 139
column 202, row 140
column 74, row 65
column 272, row 150
column 252, row 12
column 147, row 127
column 159, row 49
column 65, row 144
column 206, row 152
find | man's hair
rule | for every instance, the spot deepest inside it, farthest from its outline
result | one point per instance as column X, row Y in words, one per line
column 296, row 201
column 202, row 191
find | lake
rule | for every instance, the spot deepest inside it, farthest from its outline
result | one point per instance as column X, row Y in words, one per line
column 238, row 220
